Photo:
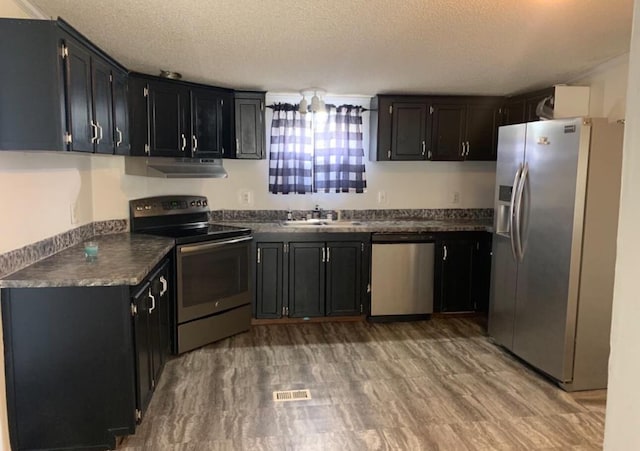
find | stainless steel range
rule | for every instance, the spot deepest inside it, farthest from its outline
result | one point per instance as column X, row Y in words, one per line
column 211, row 268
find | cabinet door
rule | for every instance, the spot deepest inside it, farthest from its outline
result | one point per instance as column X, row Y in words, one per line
column 448, row 126
column 249, row 115
column 139, row 115
column 344, row 283
column 167, row 128
column 482, row 131
column 306, row 279
column 159, row 321
column 78, row 97
column 121, row 114
column 514, row 112
column 454, row 275
column 102, row 105
column 481, row 274
column 408, row 131
column 269, row 280
column 142, row 331
column 206, row 124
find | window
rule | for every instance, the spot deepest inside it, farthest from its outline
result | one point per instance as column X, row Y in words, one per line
column 319, row 152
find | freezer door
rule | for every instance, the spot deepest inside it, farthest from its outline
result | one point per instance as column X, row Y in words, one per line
column 552, row 213
column 504, row 269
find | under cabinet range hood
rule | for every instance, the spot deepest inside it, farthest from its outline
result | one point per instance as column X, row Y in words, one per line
column 175, row 168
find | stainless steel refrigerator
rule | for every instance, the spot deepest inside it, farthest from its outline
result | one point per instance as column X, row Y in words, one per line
column 554, row 246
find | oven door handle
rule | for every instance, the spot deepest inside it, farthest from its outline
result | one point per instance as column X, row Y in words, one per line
column 206, row 246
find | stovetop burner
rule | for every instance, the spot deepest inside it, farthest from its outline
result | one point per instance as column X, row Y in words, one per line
column 183, row 218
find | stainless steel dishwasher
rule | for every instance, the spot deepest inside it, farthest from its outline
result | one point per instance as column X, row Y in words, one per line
column 402, row 276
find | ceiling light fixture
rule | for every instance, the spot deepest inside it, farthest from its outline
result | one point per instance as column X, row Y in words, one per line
column 317, row 101
column 171, row 75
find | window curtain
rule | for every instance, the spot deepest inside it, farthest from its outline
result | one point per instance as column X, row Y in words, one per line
column 291, row 151
column 339, row 153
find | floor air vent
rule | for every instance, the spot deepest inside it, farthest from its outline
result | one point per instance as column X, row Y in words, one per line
column 291, row 395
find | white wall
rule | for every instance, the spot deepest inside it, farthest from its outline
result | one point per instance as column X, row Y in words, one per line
column 608, row 84
column 622, row 431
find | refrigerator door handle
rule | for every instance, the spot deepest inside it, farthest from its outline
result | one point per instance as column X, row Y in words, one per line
column 518, row 211
column 512, row 231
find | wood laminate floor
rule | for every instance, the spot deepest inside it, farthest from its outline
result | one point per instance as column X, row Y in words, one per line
column 428, row 385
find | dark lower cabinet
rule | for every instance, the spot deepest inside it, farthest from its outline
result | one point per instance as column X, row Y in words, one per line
column 307, row 278
column 462, row 272
column 81, row 362
column 344, row 278
column 269, row 280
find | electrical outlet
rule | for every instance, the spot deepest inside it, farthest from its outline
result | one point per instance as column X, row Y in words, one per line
column 455, row 197
column 73, row 212
column 245, row 197
column 382, row 197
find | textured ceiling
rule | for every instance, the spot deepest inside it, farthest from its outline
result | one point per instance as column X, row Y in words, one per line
column 358, row 46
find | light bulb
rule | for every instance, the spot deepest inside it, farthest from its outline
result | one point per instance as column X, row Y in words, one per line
column 315, row 103
column 303, row 106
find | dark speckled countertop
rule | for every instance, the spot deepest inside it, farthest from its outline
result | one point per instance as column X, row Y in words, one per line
column 368, row 226
column 123, row 259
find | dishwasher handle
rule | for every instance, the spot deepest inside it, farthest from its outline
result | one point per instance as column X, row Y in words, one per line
column 394, row 238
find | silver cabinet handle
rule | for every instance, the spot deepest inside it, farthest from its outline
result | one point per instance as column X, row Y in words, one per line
column 165, row 284
column 429, row 155
column 324, row 255
column 100, row 131
column 463, row 149
column 94, row 132
column 119, row 132
column 424, row 148
column 328, row 254
column 153, row 301
column 195, row 143
column 468, row 148
column 184, row 142
column 258, row 256
column 237, row 144
column 446, row 253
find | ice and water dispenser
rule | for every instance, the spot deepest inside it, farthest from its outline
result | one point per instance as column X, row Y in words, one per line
column 504, row 210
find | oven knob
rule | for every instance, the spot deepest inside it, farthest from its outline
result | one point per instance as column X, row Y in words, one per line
column 198, row 203
column 147, row 207
column 217, row 303
column 204, row 203
column 139, row 208
column 193, row 203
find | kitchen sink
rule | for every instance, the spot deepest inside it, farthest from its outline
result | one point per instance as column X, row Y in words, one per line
column 311, row 223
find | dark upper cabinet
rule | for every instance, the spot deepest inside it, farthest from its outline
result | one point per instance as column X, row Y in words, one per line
column 408, row 131
column 448, row 131
column 89, row 98
column 101, row 84
column 80, row 124
column 249, row 126
column 121, row 114
column 178, row 119
column 344, row 278
column 399, row 128
column 464, row 129
column 306, row 279
column 482, row 131
column 522, row 107
column 206, row 123
column 437, row 128
column 462, row 272
column 168, row 131
column 270, row 283
column 32, row 91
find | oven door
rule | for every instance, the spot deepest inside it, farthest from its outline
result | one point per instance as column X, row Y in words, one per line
column 212, row 277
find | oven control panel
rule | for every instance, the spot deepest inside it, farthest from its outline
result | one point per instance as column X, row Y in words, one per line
column 167, row 205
